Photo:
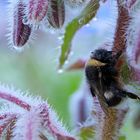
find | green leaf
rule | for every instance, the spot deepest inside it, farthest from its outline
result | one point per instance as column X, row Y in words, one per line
column 86, row 133
column 122, row 138
column 86, row 15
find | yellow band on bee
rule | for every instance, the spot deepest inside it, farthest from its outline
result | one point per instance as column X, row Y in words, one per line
column 94, row 62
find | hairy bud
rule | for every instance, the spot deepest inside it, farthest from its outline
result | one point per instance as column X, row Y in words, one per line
column 36, row 10
column 56, row 13
column 21, row 31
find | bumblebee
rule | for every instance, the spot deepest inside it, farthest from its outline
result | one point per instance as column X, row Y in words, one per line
column 103, row 78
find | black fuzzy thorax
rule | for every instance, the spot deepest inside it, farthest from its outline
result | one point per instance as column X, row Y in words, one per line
column 108, row 75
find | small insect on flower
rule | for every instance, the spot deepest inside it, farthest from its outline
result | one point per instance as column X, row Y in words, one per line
column 104, row 78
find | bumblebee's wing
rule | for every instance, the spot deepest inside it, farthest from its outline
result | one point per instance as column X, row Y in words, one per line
column 101, row 98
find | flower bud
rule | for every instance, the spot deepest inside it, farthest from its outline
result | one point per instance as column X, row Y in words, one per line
column 19, row 32
column 36, row 10
column 56, row 13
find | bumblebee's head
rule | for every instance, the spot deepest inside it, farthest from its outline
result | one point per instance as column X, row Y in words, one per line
column 102, row 57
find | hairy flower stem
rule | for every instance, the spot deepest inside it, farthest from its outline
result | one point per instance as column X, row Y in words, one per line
column 121, row 28
column 109, row 123
column 15, row 100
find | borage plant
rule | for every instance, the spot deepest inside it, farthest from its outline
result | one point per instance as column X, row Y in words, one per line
column 30, row 118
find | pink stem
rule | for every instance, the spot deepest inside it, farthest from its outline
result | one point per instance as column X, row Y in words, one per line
column 121, row 28
column 15, row 100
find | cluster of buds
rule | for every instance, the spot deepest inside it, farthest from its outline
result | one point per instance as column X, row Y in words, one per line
column 28, row 15
column 25, row 15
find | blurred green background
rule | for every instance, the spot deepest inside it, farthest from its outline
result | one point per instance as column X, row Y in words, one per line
column 35, row 69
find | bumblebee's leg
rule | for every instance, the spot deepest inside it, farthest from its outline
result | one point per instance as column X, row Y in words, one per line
column 131, row 95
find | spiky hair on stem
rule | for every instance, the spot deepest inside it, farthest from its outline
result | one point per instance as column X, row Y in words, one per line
column 121, row 27
column 28, row 118
column 108, row 124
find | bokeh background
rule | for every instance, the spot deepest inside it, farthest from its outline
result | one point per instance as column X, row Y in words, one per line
column 36, row 68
